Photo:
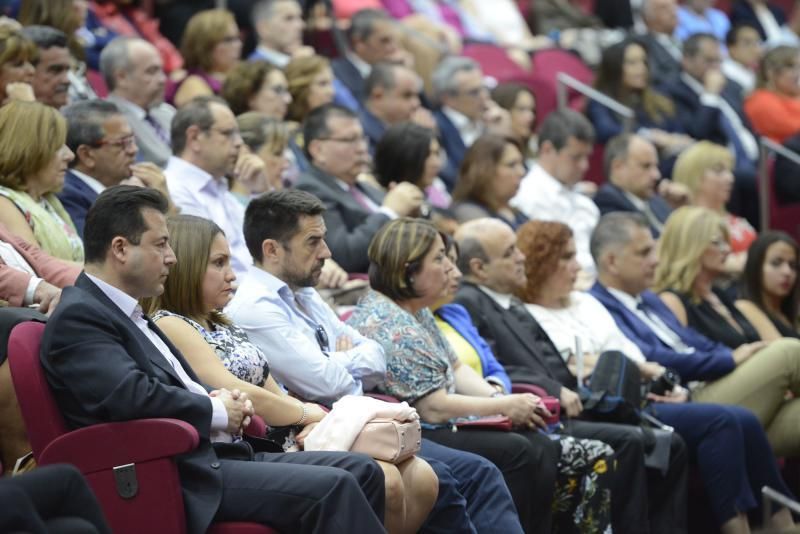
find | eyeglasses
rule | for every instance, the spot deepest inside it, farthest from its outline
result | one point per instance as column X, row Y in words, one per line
column 322, row 338
column 128, row 141
column 345, row 140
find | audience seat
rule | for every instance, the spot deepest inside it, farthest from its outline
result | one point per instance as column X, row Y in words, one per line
column 782, row 216
column 100, row 451
column 549, row 62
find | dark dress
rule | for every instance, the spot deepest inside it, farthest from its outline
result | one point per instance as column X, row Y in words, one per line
column 783, row 329
column 705, row 319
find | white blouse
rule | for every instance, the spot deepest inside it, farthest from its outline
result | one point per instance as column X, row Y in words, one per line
column 585, row 318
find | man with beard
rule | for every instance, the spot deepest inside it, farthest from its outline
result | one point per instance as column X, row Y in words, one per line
column 318, row 357
column 208, row 149
column 105, row 155
column 336, row 147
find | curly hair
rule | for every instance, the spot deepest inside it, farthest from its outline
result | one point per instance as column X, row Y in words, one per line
column 243, row 82
column 543, row 243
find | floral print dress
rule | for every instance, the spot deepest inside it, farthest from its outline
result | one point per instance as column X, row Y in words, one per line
column 419, row 361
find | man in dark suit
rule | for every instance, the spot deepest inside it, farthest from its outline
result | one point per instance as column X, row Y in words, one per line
column 663, row 48
column 354, row 211
column 373, row 37
column 631, row 165
column 105, row 153
column 710, row 108
column 494, row 268
column 106, row 361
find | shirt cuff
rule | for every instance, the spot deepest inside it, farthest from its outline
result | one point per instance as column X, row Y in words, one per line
column 710, row 100
column 496, row 382
column 219, row 416
column 389, row 212
column 32, row 285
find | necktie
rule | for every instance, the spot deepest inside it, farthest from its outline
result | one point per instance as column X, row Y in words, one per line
column 160, row 132
column 360, row 198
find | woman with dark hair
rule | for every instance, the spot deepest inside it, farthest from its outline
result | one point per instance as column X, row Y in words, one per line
column 624, row 75
column 728, row 443
column 520, row 102
column 409, row 270
column 257, row 86
column 488, row 179
column 770, row 291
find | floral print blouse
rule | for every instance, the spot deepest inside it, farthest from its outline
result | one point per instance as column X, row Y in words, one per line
column 419, row 359
column 230, row 343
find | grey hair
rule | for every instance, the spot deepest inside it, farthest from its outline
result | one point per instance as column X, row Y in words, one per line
column 362, row 23
column 85, row 123
column 115, row 57
column 470, row 248
column 614, row 230
column 617, row 148
column 443, row 77
column 381, row 75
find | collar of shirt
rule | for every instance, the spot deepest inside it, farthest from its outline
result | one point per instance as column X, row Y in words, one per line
column 137, row 111
column 548, row 183
column 739, row 74
column 126, row 303
column 279, row 59
column 629, row 301
column 279, row 287
column 670, row 44
column 502, row 300
column 468, row 129
column 96, row 186
column 694, row 85
column 363, row 68
column 637, row 202
column 194, row 177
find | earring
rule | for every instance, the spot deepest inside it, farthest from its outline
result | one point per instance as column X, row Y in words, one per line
column 410, row 279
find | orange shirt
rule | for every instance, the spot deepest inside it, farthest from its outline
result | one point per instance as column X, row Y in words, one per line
column 772, row 115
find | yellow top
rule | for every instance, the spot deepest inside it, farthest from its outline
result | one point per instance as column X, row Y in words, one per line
column 465, row 352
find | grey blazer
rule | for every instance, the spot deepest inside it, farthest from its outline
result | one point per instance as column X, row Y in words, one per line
column 151, row 147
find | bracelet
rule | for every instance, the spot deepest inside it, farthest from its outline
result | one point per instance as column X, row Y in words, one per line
column 302, row 417
column 498, row 394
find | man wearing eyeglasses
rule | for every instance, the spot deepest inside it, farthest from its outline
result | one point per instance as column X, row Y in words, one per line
column 105, row 155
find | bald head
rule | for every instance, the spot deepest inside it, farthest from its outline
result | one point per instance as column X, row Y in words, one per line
column 488, row 255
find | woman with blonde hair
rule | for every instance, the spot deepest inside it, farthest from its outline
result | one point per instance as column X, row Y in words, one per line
column 211, row 47
column 706, row 169
column 189, row 312
column 16, row 70
column 692, row 252
column 33, row 162
column 774, row 107
column 310, row 84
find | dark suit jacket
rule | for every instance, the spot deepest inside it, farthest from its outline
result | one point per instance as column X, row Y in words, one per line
column 512, row 342
column 710, row 360
column 350, row 226
column 374, row 128
column 102, row 368
column 787, row 174
column 349, row 76
column 450, row 140
column 611, row 198
column 742, row 12
column 663, row 66
column 77, row 198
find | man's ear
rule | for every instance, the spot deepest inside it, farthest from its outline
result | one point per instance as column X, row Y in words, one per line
column 84, row 156
column 192, row 134
column 119, row 248
column 270, row 250
column 314, row 150
column 476, row 269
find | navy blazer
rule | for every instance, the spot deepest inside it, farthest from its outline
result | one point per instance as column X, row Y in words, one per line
column 452, row 144
column 77, row 198
column 663, row 65
column 611, row 198
column 102, row 368
column 710, row 360
column 348, row 74
column 350, row 226
column 373, row 127
column 742, row 13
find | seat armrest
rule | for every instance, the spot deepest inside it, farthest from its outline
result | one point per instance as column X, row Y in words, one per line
column 99, row 447
column 517, row 387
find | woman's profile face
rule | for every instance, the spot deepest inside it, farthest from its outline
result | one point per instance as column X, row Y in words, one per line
column 779, row 270
column 275, row 161
column 716, row 252
column 51, row 178
column 563, row 278
column 634, row 68
column 273, row 97
column 17, row 70
column 716, row 185
column 433, row 164
column 433, row 278
column 320, row 91
column 226, row 53
column 523, row 115
column 786, row 79
column 218, row 280
column 509, row 173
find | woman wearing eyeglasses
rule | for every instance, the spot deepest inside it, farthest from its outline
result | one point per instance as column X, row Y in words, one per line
column 33, row 162
column 257, row 86
column 188, row 312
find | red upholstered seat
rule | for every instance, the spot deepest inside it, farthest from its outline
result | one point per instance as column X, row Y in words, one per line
column 146, row 445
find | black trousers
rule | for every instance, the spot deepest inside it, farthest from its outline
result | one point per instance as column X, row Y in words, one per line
column 527, row 460
column 642, row 500
column 319, row 492
column 50, row 500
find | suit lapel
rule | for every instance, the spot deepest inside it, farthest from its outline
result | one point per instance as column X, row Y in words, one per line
column 342, row 196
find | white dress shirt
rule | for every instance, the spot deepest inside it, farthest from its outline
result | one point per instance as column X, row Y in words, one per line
column 130, row 307
column 93, row 183
column 586, row 319
column 738, row 73
column 283, row 324
column 196, row 192
column 14, row 259
column 542, row 197
column 468, row 130
column 274, row 57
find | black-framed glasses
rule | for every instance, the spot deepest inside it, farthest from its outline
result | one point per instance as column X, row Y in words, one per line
column 322, row 338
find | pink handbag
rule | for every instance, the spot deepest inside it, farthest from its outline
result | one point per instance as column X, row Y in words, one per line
column 389, row 440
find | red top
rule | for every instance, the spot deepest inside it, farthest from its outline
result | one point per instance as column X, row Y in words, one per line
column 772, row 115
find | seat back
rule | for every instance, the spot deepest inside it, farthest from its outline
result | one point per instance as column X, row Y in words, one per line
column 782, row 216
column 43, row 420
column 548, row 63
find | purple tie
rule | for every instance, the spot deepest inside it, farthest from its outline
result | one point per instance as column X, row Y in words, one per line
column 360, row 198
column 160, row 132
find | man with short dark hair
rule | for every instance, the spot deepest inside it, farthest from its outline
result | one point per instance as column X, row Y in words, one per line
column 631, row 166
column 279, row 25
column 51, row 81
column 548, row 192
column 337, row 150
column 744, row 56
column 106, row 361
column 208, row 147
column 134, row 73
column 105, row 152
column 318, row 357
